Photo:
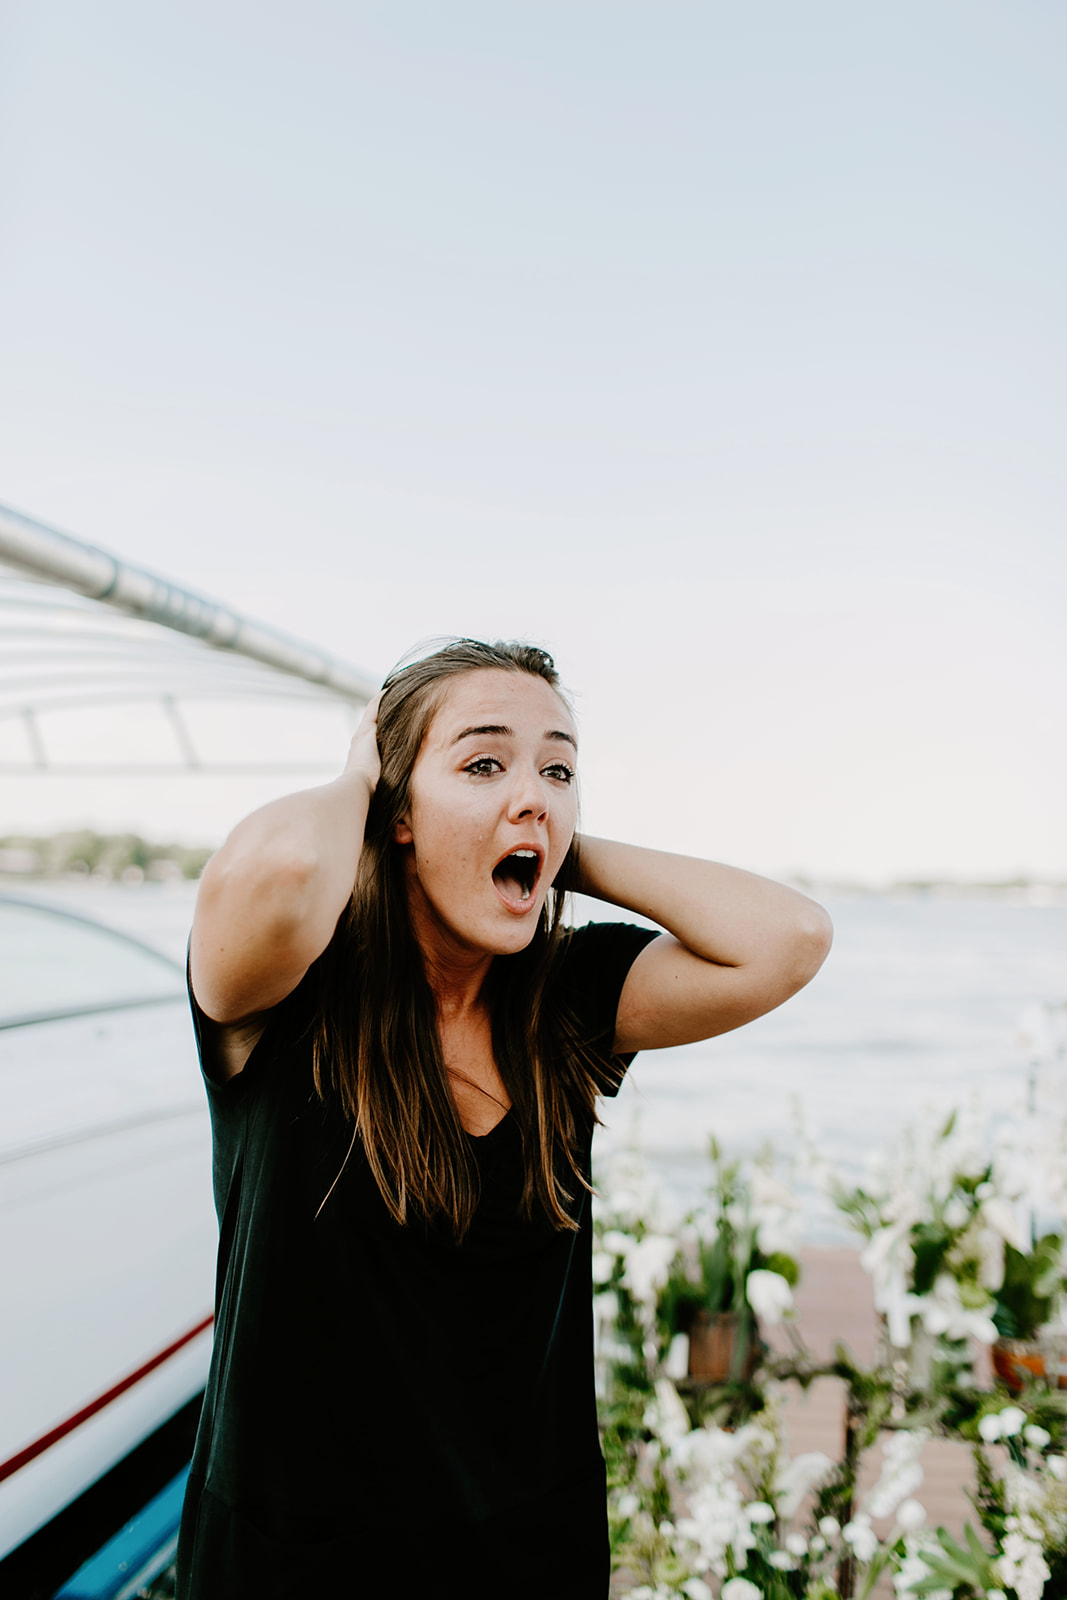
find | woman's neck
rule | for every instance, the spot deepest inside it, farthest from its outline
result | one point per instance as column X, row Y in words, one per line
column 457, row 980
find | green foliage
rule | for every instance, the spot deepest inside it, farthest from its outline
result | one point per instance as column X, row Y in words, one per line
column 715, row 1281
column 1031, row 1281
column 958, row 1234
column 82, row 853
column 930, row 1244
column 784, row 1265
column 968, row 1573
column 862, row 1209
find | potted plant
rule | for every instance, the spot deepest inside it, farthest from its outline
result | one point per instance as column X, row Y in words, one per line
column 1034, row 1281
column 938, row 1226
column 730, row 1271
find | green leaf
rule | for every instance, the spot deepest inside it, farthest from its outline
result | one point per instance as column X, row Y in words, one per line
column 977, row 1549
column 1020, row 1308
column 785, row 1266
column 955, row 1565
column 718, row 1280
column 930, row 1244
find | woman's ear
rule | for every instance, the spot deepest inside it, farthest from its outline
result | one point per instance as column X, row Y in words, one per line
column 402, row 833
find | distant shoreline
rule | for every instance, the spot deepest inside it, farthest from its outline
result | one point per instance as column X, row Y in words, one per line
column 83, row 855
column 1014, row 891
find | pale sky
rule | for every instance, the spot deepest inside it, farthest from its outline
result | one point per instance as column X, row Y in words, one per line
column 718, row 347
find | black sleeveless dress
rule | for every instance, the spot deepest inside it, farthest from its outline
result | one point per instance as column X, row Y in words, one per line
column 388, row 1413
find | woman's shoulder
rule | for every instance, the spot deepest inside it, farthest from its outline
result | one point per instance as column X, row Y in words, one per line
column 593, row 963
column 603, row 945
column 236, row 1058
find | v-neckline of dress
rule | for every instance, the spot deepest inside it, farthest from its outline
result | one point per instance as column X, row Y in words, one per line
column 489, row 1131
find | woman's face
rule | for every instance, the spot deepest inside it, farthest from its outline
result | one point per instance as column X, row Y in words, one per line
column 491, row 814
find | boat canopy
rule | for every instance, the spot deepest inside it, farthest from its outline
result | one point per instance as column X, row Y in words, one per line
column 106, row 668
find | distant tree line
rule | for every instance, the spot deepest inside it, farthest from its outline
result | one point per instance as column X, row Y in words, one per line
column 104, row 857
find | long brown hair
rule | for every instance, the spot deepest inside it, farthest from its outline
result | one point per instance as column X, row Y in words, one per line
column 376, row 1046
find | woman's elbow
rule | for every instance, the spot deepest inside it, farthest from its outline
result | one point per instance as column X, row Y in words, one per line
column 812, row 937
column 278, row 885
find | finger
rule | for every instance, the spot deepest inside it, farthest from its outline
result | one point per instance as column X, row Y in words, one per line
column 369, row 719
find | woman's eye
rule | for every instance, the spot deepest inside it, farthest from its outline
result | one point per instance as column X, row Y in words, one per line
column 561, row 771
column 483, row 767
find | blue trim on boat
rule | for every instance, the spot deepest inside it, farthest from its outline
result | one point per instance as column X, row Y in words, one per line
column 136, row 1554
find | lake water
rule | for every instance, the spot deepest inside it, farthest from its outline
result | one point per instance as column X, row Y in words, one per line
column 919, row 1004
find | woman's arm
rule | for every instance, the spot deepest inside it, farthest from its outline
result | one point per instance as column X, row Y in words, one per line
column 741, row 944
column 269, row 900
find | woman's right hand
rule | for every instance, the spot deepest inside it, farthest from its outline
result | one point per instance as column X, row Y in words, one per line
column 363, row 757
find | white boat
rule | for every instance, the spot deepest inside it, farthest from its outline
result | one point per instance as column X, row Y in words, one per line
column 107, row 1228
column 107, row 1231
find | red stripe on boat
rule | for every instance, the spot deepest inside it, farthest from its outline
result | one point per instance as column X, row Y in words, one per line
column 48, row 1439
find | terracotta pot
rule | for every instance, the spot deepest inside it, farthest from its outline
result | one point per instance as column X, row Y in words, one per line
column 1018, row 1361
column 712, row 1346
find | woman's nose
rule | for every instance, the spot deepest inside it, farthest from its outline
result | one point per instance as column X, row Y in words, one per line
column 529, row 797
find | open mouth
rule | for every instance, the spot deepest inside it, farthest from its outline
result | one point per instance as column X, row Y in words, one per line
column 517, row 874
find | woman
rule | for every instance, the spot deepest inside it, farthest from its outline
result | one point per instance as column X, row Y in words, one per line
column 402, row 1078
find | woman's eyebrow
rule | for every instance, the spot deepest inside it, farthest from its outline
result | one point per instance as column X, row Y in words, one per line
column 500, row 730
column 493, row 729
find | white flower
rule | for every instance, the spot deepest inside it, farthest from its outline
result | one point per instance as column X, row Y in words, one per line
column 717, row 1524
column 757, row 1440
column 796, row 1544
column 989, row 1427
column 861, row 1536
column 606, row 1306
column 1011, row 1420
column 759, row 1511
column 647, row 1265
column 617, row 1243
column 775, row 1213
column 1057, row 1466
column 676, row 1361
column 804, row 1473
column 1023, row 1567
column 709, row 1450
column 912, row 1571
column 1035, row 1436
column 990, row 1259
column 667, row 1416
column 603, row 1266
column 768, row 1294
column 942, row 1312
column 1000, row 1216
column 740, row 1589
column 956, row 1212
column 781, row 1561
column 901, row 1475
column 910, row 1515
column 627, row 1504
column 829, row 1527
column 889, row 1259
column 696, row 1589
